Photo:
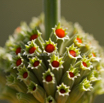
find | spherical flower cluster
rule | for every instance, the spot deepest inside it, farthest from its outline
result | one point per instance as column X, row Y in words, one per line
column 66, row 68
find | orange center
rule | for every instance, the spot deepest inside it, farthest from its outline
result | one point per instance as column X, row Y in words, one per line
column 18, row 62
column 49, row 48
column 18, row 50
column 60, row 33
column 84, row 64
column 36, row 63
column 32, row 50
column 71, row 74
column 73, row 53
column 25, row 75
column 55, row 64
column 18, row 29
column 34, row 88
column 50, row 101
column 79, row 40
column 48, row 78
column 93, row 54
column 62, row 91
column 33, row 37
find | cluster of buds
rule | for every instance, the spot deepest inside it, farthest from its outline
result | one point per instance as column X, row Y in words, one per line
column 67, row 68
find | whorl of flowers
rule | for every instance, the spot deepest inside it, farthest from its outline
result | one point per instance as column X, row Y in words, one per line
column 66, row 68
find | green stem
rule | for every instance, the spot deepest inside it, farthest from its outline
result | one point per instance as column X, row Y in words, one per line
column 52, row 15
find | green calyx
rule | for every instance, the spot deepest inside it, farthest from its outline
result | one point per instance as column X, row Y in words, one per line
column 63, row 87
column 32, row 61
column 70, row 76
column 50, row 99
column 47, row 50
column 62, row 31
column 56, row 58
column 79, row 41
column 33, row 34
column 17, row 62
column 94, row 55
column 56, row 66
column 85, row 85
column 94, row 76
column 75, row 49
column 85, row 64
column 32, row 49
column 21, row 73
column 11, row 79
column 48, row 72
column 26, row 76
column 73, row 70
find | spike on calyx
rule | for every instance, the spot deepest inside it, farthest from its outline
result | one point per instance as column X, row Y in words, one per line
column 36, row 63
column 73, row 53
column 32, row 50
column 71, row 74
column 25, row 75
column 79, row 40
column 60, row 33
column 55, row 64
column 18, row 50
column 18, row 62
column 34, row 36
column 48, row 78
column 49, row 48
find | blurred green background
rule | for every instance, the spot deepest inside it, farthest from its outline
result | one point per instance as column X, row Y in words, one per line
column 89, row 13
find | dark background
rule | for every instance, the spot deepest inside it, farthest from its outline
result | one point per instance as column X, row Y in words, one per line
column 89, row 13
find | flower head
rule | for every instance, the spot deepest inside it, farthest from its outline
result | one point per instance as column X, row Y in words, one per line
column 66, row 67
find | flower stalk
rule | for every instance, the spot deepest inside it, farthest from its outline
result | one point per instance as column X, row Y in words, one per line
column 52, row 15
